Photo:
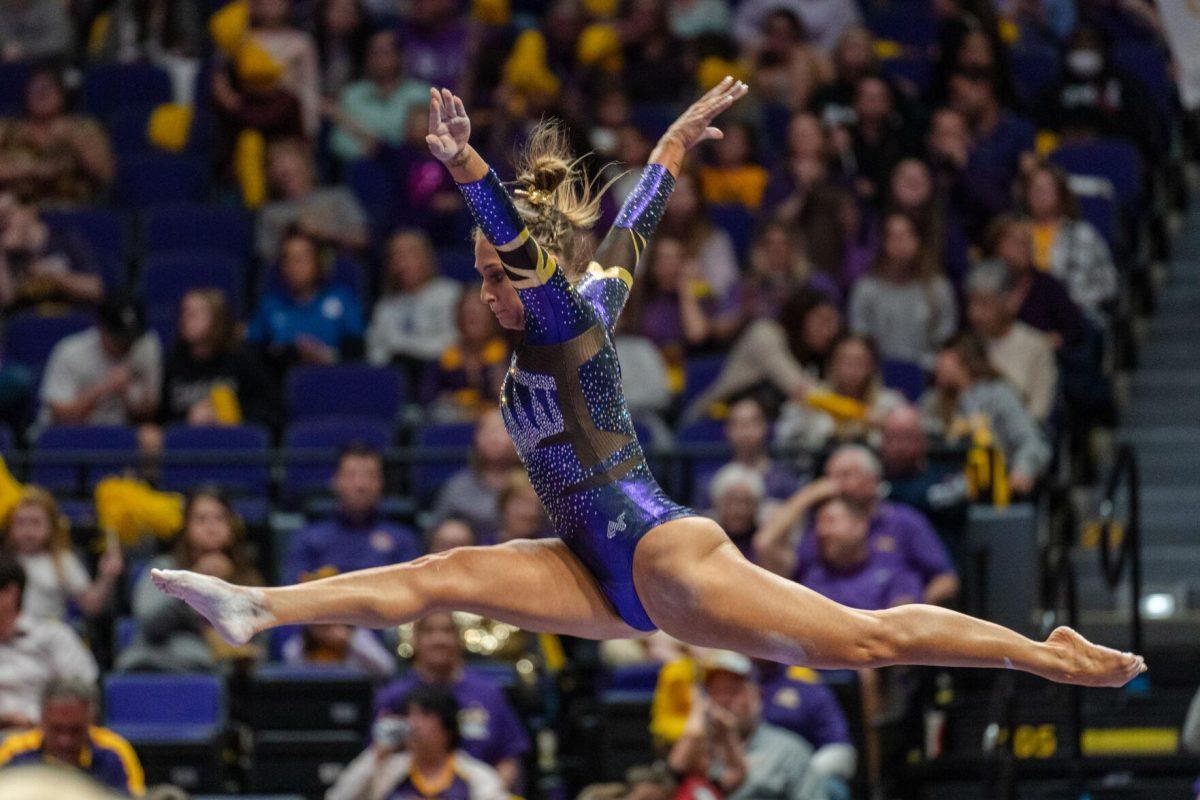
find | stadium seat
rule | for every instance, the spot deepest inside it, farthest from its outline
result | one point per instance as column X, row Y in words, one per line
column 152, row 179
column 344, row 390
column 458, row 262
column 653, row 119
column 445, row 450
column 699, row 373
column 335, row 698
column 13, row 77
column 198, row 226
column 1097, row 206
column 371, row 183
column 917, row 71
column 106, row 231
column 908, row 24
column 1114, row 159
column 233, row 457
column 167, row 277
column 30, row 337
column 704, row 449
column 175, row 722
column 1150, row 63
column 8, row 440
column 57, row 468
column 736, row 221
column 307, row 762
column 310, row 449
column 107, row 87
column 632, row 678
column 1034, row 70
column 905, row 377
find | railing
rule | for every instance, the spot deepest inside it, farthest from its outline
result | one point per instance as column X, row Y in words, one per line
column 1122, row 545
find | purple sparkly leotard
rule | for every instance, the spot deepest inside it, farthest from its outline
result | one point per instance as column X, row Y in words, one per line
column 562, row 399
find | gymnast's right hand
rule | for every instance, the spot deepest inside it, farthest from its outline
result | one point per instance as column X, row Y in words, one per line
column 449, row 127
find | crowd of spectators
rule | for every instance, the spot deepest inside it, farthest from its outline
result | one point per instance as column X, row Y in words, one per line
column 881, row 258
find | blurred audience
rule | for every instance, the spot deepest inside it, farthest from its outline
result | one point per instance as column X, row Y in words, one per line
column 970, row 398
column 33, row 652
column 170, row 636
column 109, row 374
column 422, row 750
column 208, row 367
column 490, row 729
column 473, row 491
column 413, row 321
column 67, row 735
column 329, row 215
column 50, row 156
column 1022, row 354
column 905, row 303
column 38, row 535
column 465, row 380
column 43, row 267
column 356, row 536
column 311, row 319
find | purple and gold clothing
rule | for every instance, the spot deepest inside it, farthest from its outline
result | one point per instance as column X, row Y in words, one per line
column 797, row 701
column 490, row 728
column 898, row 534
column 877, row 583
column 562, row 400
column 106, row 758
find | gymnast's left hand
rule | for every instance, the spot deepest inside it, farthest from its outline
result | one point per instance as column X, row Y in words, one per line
column 695, row 125
column 449, row 127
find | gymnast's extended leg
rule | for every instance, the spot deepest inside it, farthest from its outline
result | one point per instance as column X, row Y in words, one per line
column 697, row 586
column 536, row 585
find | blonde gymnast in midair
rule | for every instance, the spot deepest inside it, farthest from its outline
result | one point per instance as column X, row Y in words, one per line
column 626, row 559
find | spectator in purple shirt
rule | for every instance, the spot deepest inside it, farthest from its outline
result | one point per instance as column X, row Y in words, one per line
column 355, row 537
column 794, row 698
column 848, row 569
column 998, row 136
column 435, row 39
column 896, row 533
column 491, row 731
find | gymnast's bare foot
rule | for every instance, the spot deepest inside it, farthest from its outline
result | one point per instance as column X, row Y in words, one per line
column 235, row 612
column 1090, row 664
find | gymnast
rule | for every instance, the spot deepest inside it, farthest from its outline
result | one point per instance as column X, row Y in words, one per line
column 626, row 559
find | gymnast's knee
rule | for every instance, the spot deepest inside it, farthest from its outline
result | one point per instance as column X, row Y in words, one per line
column 879, row 639
column 425, row 585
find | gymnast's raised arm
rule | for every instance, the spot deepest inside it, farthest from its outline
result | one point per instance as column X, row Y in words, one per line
column 639, row 216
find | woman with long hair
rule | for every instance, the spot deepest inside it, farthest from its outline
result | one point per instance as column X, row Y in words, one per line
column 626, row 559
column 905, row 303
column 170, row 638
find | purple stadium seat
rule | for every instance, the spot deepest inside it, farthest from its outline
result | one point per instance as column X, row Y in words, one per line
column 448, row 446
column 736, row 221
column 30, row 337
column 699, row 373
column 703, row 443
column 150, row 179
column 106, row 231
column 55, row 468
column 197, row 226
column 458, row 262
column 1114, row 159
column 167, row 277
column 305, row 473
column 905, row 377
column 233, row 457
column 1034, row 70
column 344, row 390
column 13, row 77
column 107, row 87
column 145, row 707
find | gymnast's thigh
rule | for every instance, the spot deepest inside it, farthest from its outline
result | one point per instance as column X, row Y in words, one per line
column 535, row 584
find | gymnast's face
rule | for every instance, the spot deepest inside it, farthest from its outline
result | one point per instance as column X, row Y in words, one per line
column 497, row 290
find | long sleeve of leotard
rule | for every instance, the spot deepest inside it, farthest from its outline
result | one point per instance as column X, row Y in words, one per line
column 610, row 275
column 554, row 312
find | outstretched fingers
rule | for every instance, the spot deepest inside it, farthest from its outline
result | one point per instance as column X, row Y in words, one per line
column 435, row 110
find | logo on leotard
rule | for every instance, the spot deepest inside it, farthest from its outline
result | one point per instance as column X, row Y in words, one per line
column 616, row 527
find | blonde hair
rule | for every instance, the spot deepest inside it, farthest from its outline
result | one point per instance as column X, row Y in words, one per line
column 59, row 541
column 556, row 200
